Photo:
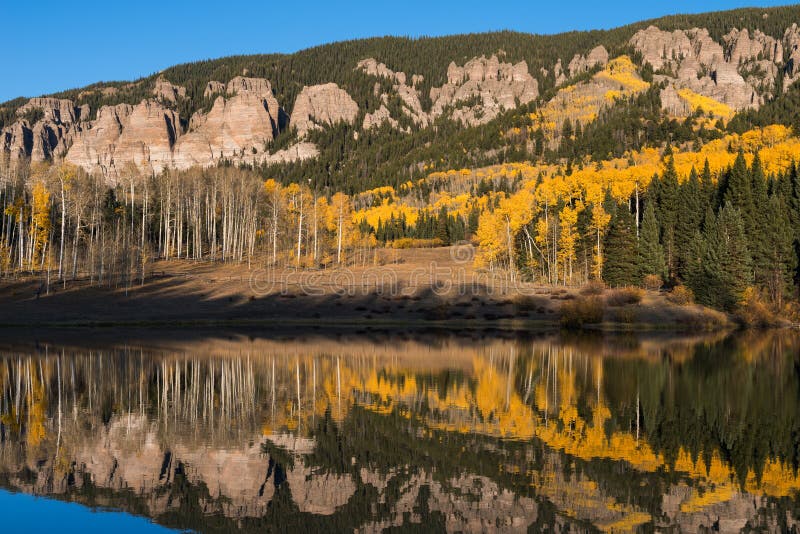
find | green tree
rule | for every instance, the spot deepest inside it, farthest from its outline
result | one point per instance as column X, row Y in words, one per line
column 726, row 269
column 667, row 214
column 621, row 257
column 651, row 253
column 690, row 216
column 778, row 260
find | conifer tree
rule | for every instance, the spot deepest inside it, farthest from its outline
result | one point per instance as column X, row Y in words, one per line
column 726, row 270
column 690, row 216
column 667, row 214
column 442, row 232
column 620, row 266
column 651, row 253
column 779, row 260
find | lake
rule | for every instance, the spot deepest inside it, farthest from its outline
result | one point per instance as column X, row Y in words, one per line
column 414, row 430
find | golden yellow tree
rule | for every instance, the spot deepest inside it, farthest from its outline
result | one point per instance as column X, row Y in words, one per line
column 40, row 221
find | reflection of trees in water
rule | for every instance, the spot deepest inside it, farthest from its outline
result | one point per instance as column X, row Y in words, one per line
column 617, row 411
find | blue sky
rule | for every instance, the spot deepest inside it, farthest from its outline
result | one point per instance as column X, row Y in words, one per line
column 48, row 46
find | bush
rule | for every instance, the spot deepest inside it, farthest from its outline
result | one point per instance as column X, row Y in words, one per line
column 408, row 242
column 624, row 296
column 582, row 311
column 753, row 312
column 681, row 295
column 652, row 282
column 526, row 302
column 594, row 287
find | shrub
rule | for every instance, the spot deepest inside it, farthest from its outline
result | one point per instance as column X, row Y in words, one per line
column 681, row 295
column 582, row 311
column 754, row 312
column 624, row 296
column 408, row 242
column 594, row 287
column 526, row 302
column 625, row 315
column 652, row 282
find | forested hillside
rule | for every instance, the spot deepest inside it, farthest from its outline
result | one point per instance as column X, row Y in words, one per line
column 639, row 156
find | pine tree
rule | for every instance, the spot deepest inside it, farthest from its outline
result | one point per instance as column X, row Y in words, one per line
column 620, row 267
column 726, row 270
column 756, row 238
column 667, row 214
column 690, row 216
column 651, row 253
column 738, row 191
column 442, row 232
column 779, row 260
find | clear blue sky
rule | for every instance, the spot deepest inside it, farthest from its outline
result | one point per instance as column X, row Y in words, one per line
column 48, row 46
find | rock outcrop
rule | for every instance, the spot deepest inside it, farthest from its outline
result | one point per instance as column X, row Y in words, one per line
column 143, row 135
column 93, row 148
column 377, row 118
column 50, row 136
column 474, row 94
column 168, row 92
column 482, row 88
column 213, row 88
column 692, row 59
column 673, row 104
column 791, row 52
column 598, row 56
column 319, row 105
column 239, row 125
column 298, row 152
column 409, row 95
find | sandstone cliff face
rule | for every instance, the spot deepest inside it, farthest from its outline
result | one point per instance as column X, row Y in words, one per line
column 167, row 92
column 495, row 85
column 319, row 105
column 474, row 93
column 409, row 95
column 597, row 56
column 738, row 72
column 237, row 126
column 143, row 135
column 377, row 118
column 49, row 137
column 791, row 51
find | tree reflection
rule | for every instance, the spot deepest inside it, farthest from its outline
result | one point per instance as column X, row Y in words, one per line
column 609, row 433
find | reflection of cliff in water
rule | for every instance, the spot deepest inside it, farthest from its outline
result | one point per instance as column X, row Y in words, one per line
column 578, row 434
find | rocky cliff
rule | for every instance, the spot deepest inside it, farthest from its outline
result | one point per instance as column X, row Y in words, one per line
column 740, row 71
column 238, row 120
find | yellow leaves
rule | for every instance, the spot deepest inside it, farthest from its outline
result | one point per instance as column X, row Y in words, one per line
column 271, row 187
column 706, row 104
column 621, row 70
column 40, row 218
column 568, row 236
column 386, row 211
column 583, row 101
column 491, row 229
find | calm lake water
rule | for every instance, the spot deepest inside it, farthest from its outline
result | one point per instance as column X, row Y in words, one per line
column 410, row 431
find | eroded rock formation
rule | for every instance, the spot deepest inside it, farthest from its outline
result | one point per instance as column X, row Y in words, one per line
column 739, row 72
column 319, row 105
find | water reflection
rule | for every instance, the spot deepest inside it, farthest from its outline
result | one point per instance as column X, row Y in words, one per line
column 579, row 434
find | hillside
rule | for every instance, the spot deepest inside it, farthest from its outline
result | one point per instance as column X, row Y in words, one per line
column 400, row 104
column 662, row 154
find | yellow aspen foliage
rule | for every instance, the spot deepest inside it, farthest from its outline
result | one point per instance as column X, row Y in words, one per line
column 386, row 211
column 706, row 104
column 40, row 219
column 568, row 237
column 600, row 220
